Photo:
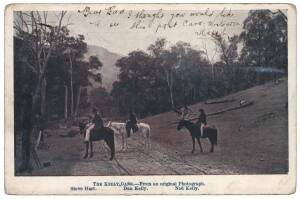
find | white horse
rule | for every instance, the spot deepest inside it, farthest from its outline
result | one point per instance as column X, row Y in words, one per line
column 120, row 128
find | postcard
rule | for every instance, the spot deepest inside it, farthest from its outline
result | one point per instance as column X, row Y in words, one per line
column 126, row 99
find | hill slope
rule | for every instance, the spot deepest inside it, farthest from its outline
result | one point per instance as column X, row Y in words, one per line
column 252, row 140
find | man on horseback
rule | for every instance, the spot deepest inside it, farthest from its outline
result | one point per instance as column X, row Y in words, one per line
column 131, row 123
column 97, row 122
column 202, row 120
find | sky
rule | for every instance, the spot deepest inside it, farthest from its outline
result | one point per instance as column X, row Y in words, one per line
column 122, row 31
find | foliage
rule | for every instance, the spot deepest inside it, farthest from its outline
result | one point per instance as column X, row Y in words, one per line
column 264, row 40
column 150, row 83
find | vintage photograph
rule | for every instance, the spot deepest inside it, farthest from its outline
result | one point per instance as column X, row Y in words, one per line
column 150, row 90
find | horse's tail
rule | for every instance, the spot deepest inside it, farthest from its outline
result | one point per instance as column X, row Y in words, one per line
column 148, row 132
column 148, row 137
column 111, row 143
column 113, row 151
column 216, row 136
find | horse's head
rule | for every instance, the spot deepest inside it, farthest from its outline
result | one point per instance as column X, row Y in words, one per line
column 82, row 127
column 181, row 124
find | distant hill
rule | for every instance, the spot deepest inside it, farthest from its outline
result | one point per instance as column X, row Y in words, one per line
column 109, row 70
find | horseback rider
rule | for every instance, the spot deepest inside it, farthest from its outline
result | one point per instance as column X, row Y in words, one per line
column 131, row 123
column 97, row 122
column 202, row 120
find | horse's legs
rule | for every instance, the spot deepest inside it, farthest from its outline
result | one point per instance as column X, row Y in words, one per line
column 145, row 138
column 91, row 149
column 193, row 138
column 111, row 144
column 149, row 143
column 212, row 144
column 86, row 150
column 123, row 142
column 128, row 131
column 198, row 139
column 148, row 139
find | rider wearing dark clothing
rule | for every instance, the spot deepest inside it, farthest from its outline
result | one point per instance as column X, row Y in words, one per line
column 202, row 117
column 132, row 118
column 202, row 120
column 97, row 120
column 131, row 123
column 97, row 123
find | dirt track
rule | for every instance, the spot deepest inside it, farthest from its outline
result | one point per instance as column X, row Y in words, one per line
column 252, row 140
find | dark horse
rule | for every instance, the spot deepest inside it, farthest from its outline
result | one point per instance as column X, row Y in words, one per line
column 98, row 134
column 208, row 132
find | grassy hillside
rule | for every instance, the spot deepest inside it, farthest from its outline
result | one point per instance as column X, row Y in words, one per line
column 253, row 139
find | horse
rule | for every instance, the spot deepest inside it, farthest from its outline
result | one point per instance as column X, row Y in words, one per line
column 120, row 128
column 98, row 134
column 208, row 132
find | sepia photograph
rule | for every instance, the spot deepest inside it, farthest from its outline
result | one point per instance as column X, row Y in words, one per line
column 174, row 90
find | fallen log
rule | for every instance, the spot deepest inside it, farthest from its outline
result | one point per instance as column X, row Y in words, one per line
column 232, row 108
column 224, row 110
column 219, row 101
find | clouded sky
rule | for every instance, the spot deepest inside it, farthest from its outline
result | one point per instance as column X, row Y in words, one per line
column 124, row 28
column 122, row 31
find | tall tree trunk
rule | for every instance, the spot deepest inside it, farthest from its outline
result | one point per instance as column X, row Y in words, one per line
column 170, row 85
column 66, row 102
column 43, row 97
column 77, row 101
column 37, row 102
column 71, row 87
column 26, row 146
column 26, row 133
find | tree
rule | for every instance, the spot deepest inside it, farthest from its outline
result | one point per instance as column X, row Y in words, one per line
column 73, row 49
column 166, row 62
column 154, row 82
column 49, row 64
column 190, row 72
column 133, row 89
column 94, row 66
column 25, row 79
column 40, row 39
column 264, row 39
column 210, row 59
column 92, row 69
column 183, row 69
column 227, row 50
column 73, row 70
